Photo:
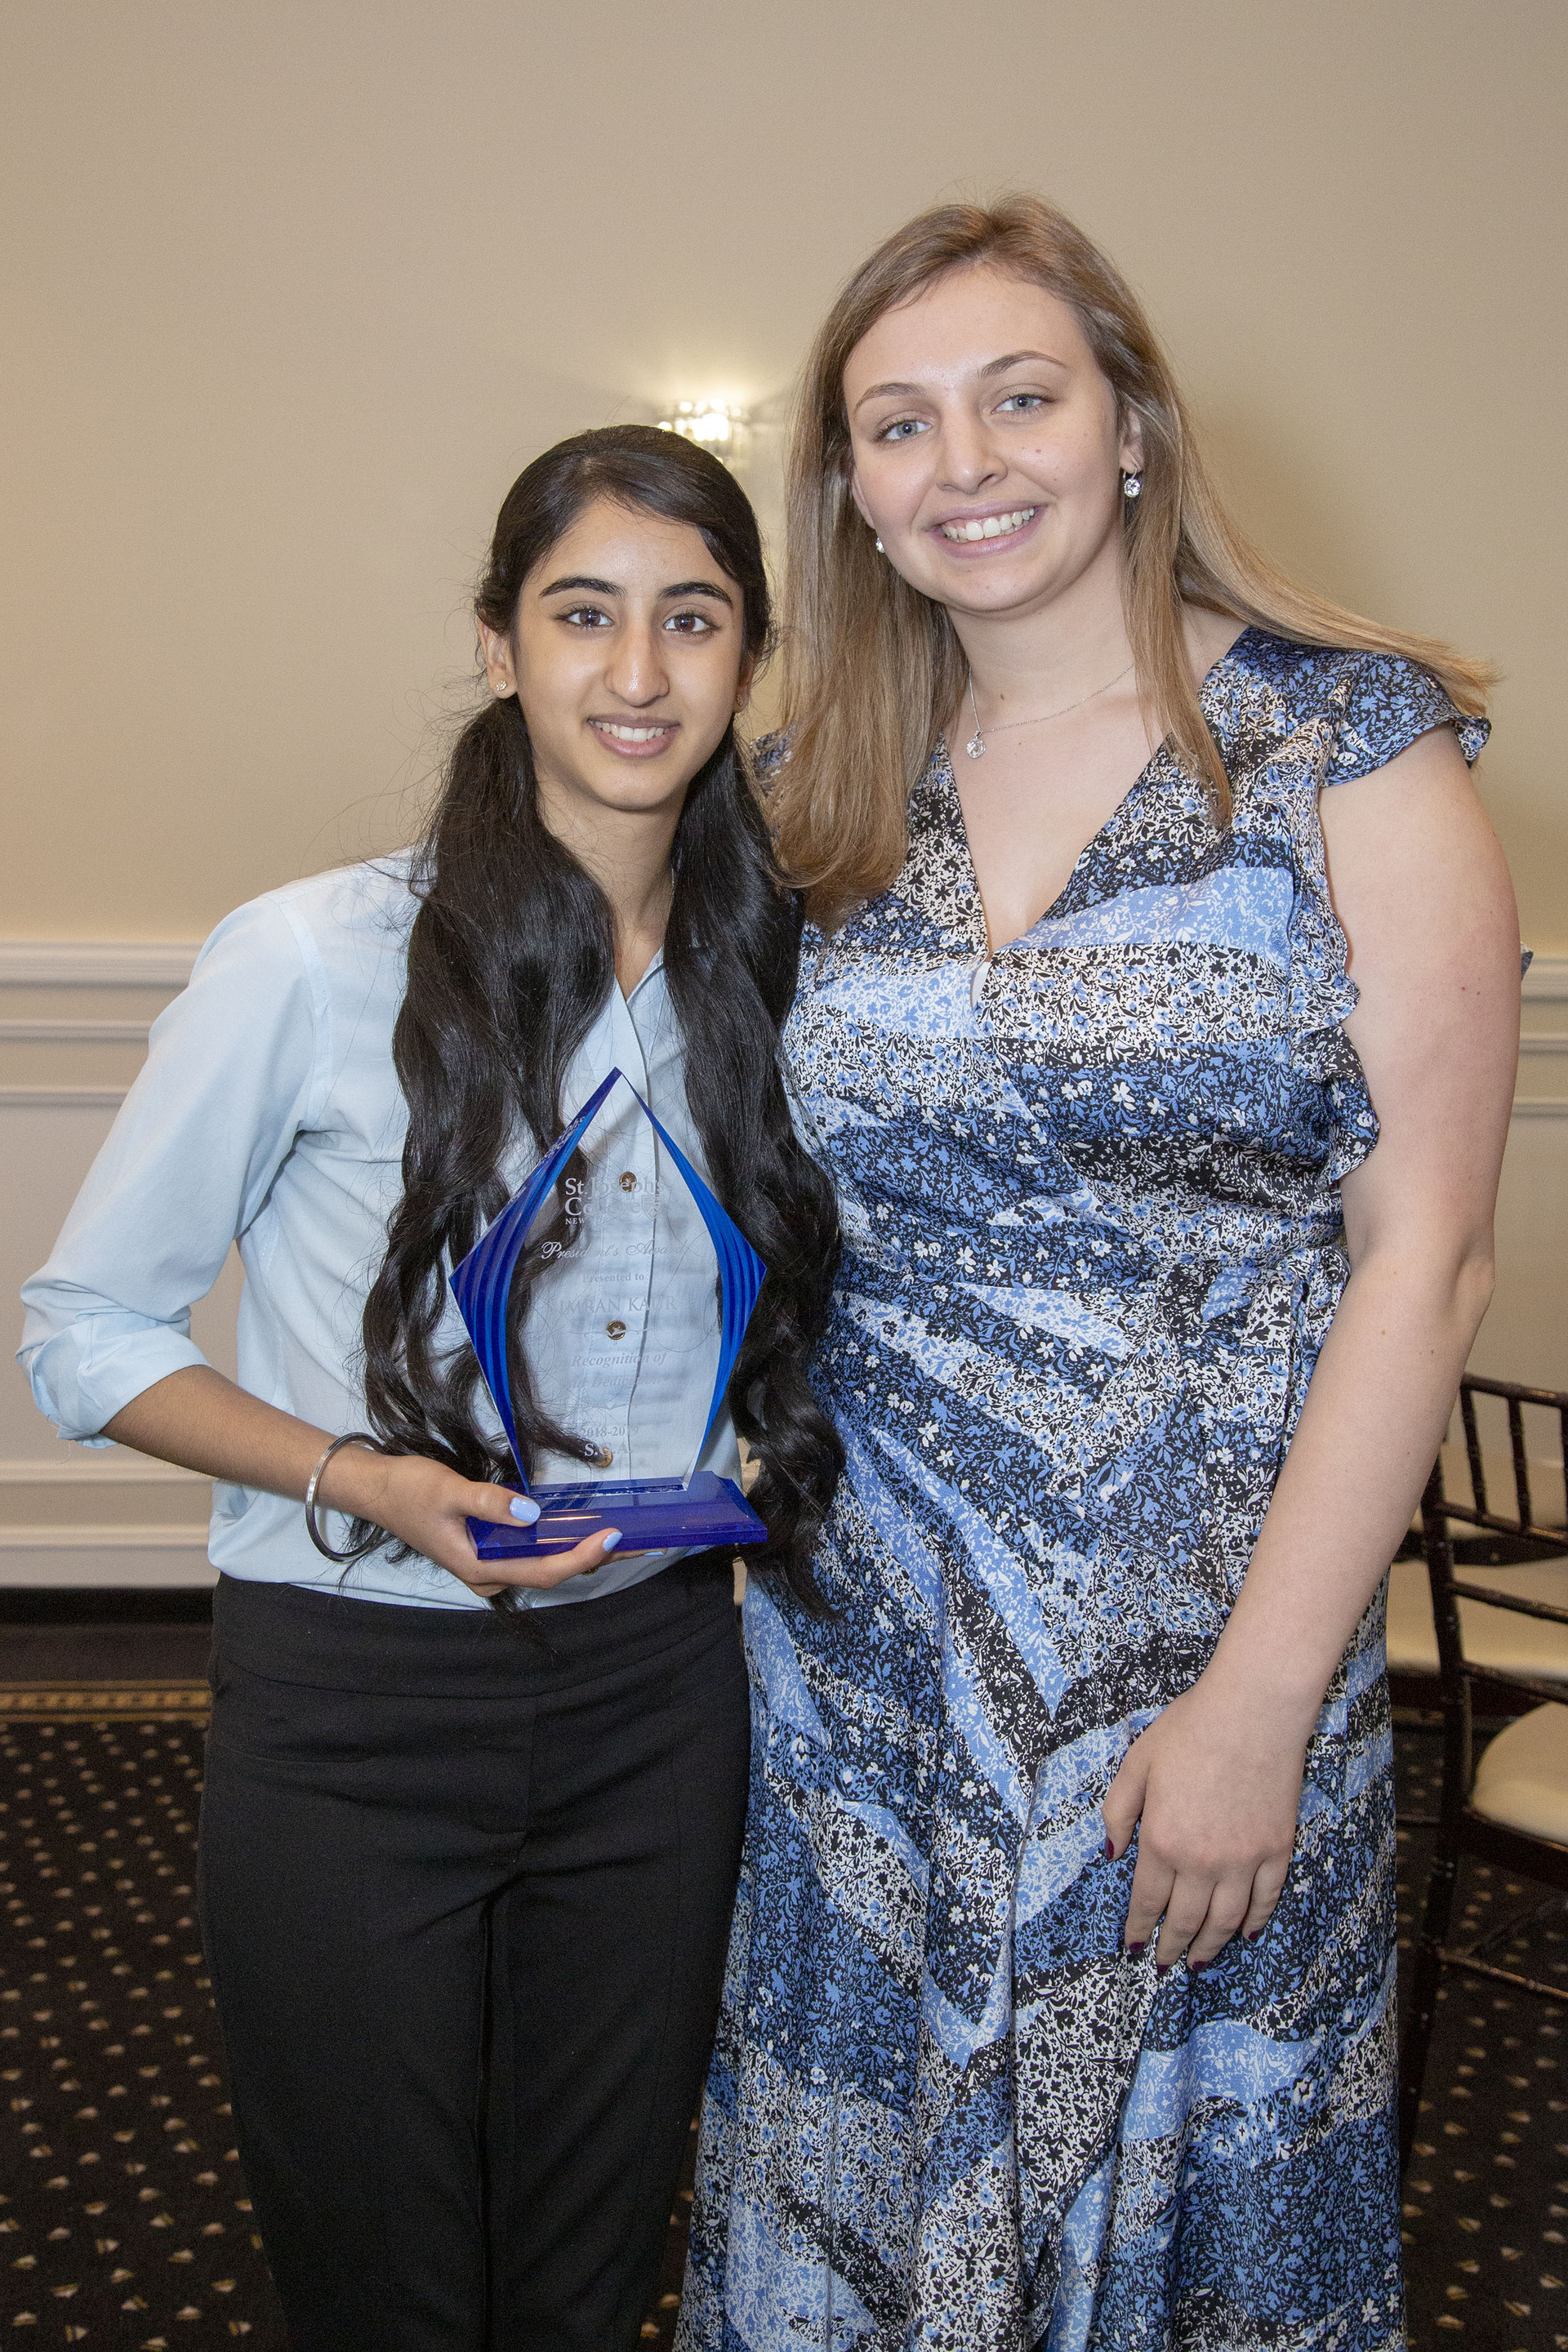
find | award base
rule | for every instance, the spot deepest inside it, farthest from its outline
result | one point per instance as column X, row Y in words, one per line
column 652, row 1514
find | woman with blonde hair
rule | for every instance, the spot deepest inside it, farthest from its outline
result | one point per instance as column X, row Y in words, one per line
column 1157, row 1022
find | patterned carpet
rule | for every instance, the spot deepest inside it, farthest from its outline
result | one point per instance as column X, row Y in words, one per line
column 125, row 2221
column 1486, row 2203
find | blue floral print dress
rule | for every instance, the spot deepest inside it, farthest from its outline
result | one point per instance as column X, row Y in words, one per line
column 1093, row 1245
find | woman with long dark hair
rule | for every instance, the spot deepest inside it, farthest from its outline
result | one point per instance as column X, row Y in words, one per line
column 466, row 1870
column 1157, row 1021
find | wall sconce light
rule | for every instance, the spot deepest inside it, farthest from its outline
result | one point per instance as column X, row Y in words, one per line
column 714, row 423
column 746, row 437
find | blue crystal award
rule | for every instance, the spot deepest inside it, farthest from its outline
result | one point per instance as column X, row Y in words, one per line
column 654, row 1513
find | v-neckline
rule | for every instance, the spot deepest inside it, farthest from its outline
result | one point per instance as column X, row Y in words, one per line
column 978, row 925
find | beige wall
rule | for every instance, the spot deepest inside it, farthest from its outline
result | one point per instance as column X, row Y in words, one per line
column 297, row 289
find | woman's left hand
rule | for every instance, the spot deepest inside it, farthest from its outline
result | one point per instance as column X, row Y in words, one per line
column 1211, row 1788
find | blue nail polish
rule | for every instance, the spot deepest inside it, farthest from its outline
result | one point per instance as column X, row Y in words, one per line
column 525, row 1508
column 610, row 1538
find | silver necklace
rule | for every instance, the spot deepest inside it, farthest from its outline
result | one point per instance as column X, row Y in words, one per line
column 976, row 747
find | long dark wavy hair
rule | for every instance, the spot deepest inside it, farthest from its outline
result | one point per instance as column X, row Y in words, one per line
column 511, row 958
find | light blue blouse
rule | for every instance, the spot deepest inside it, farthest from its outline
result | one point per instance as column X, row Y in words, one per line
column 268, row 1113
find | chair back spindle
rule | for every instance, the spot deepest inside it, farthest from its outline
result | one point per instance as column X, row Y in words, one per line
column 1473, row 1448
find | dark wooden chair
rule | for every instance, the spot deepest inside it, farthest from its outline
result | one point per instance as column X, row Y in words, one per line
column 1512, row 1810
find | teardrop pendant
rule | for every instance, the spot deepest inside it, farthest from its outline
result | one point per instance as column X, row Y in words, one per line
column 976, row 747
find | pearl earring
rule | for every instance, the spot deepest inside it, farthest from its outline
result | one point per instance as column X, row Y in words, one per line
column 1132, row 484
column 880, row 549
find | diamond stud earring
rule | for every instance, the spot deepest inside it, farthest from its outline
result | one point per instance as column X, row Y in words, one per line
column 1132, row 486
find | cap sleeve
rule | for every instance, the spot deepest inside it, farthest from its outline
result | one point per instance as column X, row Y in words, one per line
column 1386, row 702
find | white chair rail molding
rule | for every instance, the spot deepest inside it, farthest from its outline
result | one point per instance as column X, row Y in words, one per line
column 74, row 1017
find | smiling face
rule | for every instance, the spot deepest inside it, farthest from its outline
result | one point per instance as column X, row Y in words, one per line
column 626, row 655
column 986, row 448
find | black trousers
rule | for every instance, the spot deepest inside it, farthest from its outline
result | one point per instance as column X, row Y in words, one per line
column 465, row 1900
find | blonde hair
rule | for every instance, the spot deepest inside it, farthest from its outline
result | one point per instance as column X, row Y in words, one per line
column 873, row 671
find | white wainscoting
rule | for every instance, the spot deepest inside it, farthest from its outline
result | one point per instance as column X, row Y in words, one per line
column 74, row 1016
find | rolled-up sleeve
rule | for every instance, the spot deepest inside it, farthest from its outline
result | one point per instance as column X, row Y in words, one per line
column 236, row 1067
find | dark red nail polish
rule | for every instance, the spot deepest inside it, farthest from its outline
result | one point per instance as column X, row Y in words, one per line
column 1164, row 1967
column 1111, row 1849
column 1252, row 1934
column 1198, row 1967
column 1136, row 1951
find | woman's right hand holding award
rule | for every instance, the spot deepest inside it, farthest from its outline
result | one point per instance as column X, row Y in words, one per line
column 429, row 1508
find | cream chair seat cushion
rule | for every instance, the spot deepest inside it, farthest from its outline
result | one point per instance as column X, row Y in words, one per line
column 1521, row 1780
column 1492, row 1637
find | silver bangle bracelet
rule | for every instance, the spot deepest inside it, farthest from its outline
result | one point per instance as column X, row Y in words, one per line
column 352, row 1437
